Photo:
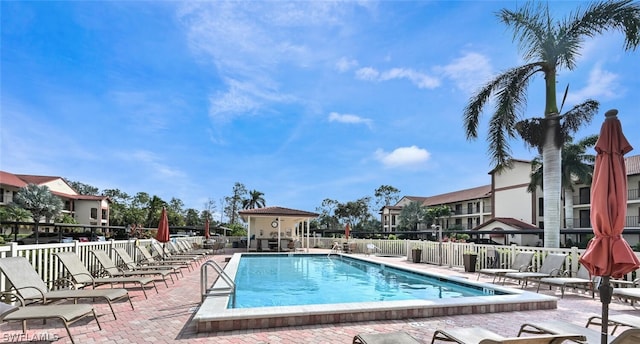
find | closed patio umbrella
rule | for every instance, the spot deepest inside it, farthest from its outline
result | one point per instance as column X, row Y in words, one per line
column 163, row 229
column 206, row 230
column 347, row 229
column 608, row 254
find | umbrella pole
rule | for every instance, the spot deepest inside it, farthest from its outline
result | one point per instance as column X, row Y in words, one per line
column 605, row 297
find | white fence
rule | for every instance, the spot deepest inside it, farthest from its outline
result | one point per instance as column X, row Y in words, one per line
column 447, row 253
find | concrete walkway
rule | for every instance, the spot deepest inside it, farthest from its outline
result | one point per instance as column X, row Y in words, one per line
column 165, row 318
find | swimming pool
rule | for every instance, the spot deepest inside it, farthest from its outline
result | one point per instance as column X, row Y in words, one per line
column 301, row 279
column 213, row 314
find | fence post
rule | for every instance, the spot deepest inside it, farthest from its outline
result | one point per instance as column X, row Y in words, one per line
column 574, row 261
column 13, row 251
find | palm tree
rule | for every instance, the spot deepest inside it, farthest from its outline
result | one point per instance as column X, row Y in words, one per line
column 576, row 166
column 548, row 46
column 255, row 200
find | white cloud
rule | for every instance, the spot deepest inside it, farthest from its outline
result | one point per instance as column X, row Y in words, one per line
column 344, row 64
column 348, row 118
column 602, row 85
column 403, row 157
column 469, row 71
column 419, row 79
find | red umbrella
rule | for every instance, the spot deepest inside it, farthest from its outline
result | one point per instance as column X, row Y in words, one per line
column 206, row 229
column 347, row 230
column 163, row 229
column 608, row 254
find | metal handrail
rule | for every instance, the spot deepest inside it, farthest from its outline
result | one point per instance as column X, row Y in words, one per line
column 204, row 277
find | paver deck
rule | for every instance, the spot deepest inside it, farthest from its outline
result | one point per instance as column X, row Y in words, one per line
column 166, row 318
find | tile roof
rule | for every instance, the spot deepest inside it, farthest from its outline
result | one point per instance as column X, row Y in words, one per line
column 458, row 196
column 515, row 223
column 633, row 165
column 11, row 179
column 36, row 179
column 277, row 211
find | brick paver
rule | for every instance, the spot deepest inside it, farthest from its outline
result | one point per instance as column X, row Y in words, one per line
column 166, row 318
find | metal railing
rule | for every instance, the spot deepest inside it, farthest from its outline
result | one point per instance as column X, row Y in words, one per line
column 207, row 289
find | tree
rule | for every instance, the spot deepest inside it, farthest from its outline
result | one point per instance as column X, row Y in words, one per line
column 118, row 206
column 327, row 218
column 548, row 46
column 40, row 202
column 192, row 217
column 234, row 202
column 82, row 188
column 386, row 195
column 153, row 210
column 576, row 166
column 255, row 200
column 434, row 214
column 411, row 215
column 354, row 212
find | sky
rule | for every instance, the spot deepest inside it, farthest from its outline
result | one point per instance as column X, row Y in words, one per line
column 303, row 100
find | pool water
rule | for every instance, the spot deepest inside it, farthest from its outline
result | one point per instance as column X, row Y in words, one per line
column 286, row 280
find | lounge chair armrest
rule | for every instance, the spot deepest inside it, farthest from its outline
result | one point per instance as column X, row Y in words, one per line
column 9, row 296
column 636, row 282
column 31, row 287
column 556, row 272
column 63, row 282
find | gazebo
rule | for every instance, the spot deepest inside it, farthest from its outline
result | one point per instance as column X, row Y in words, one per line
column 278, row 226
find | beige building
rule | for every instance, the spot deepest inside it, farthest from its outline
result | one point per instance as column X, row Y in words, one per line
column 85, row 209
column 506, row 204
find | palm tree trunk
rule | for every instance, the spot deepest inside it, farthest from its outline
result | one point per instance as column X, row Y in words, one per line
column 568, row 208
column 551, row 160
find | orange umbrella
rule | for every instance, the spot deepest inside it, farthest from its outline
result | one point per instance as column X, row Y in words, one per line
column 347, row 230
column 206, row 229
column 163, row 227
column 608, row 254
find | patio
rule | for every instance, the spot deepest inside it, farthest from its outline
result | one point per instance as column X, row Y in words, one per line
column 165, row 318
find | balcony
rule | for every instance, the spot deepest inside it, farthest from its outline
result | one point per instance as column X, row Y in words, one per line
column 630, row 222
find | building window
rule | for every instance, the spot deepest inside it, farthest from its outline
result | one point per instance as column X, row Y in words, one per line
column 469, row 223
column 393, row 220
column 477, row 207
column 585, row 218
column 540, row 206
column 94, row 213
column 469, row 208
column 541, row 224
column 1, row 195
column 104, row 214
column 458, row 209
column 585, row 195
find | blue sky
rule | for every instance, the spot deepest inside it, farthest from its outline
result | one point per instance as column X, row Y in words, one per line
column 300, row 100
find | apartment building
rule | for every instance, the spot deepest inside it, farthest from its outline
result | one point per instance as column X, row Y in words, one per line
column 506, row 204
column 85, row 209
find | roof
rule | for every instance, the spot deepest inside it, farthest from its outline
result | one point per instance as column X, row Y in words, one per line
column 510, row 221
column 11, row 179
column 36, row 179
column 633, row 165
column 458, row 196
column 276, row 211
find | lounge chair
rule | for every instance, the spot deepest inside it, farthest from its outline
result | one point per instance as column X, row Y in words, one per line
column 630, row 294
column 520, row 263
column 371, row 249
column 616, row 321
column 167, row 255
column 149, row 260
column 112, row 270
column 552, row 266
column 30, row 287
column 131, row 264
column 264, row 245
column 68, row 314
column 81, row 275
column 629, row 336
column 186, row 247
column 179, row 250
column 479, row 335
column 384, row 338
column 284, row 245
column 253, row 246
column 582, row 279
